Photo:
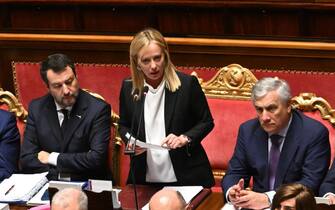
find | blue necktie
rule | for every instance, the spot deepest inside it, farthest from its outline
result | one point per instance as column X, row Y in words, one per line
column 274, row 158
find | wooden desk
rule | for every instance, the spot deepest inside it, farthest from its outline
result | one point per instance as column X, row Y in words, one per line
column 213, row 201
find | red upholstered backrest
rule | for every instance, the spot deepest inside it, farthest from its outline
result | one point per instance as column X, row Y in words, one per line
column 4, row 107
column 28, row 83
column 228, row 115
column 320, row 83
column 316, row 115
column 104, row 79
column 220, row 143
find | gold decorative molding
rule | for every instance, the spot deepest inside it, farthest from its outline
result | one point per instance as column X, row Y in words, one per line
column 309, row 102
column 12, row 102
column 218, row 173
column 230, row 82
column 15, row 80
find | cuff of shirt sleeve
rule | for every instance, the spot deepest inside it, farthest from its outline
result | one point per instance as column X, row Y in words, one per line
column 270, row 195
column 52, row 160
column 227, row 197
column 329, row 193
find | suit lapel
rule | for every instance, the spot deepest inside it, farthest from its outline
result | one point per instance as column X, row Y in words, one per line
column 169, row 106
column 261, row 139
column 289, row 149
column 51, row 114
column 77, row 115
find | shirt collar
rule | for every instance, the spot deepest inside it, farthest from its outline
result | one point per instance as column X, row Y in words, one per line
column 153, row 90
column 59, row 107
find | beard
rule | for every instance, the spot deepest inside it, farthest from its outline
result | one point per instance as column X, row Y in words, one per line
column 68, row 100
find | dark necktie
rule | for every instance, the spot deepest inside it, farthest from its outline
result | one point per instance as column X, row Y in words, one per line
column 274, row 158
column 65, row 120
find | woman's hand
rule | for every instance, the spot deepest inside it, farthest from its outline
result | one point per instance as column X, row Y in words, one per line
column 172, row 141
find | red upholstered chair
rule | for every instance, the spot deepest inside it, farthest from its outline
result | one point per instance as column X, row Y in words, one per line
column 228, row 94
column 98, row 79
column 318, row 108
column 10, row 103
column 229, row 97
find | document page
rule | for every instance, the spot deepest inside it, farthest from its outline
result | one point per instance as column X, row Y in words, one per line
column 321, row 200
column 144, row 144
column 38, row 198
column 21, row 187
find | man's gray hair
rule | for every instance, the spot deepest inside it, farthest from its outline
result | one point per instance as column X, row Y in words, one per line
column 268, row 84
column 83, row 201
column 63, row 198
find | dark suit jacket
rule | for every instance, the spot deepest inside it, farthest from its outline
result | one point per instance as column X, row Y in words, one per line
column 9, row 145
column 84, row 149
column 328, row 184
column 186, row 112
column 304, row 157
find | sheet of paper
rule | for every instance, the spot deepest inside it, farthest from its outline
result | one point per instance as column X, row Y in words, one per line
column 321, row 200
column 100, row 185
column 4, row 206
column 188, row 193
column 37, row 199
column 21, row 187
column 63, row 184
column 228, row 206
column 144, row 144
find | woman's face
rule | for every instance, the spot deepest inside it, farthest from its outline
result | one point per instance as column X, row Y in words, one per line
column 151, row 63
column 287, row 205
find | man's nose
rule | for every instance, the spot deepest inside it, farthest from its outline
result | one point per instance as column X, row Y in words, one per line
column 265, row 116
column 66, row 89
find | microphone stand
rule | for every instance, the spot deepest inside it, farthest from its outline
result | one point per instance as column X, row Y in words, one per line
column 132, row 151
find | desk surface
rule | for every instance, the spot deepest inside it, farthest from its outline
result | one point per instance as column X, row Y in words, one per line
column 213, row 201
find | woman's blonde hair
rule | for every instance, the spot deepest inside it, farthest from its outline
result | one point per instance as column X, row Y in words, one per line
column 143, row 39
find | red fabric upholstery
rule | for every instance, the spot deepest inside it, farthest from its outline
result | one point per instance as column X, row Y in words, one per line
column 104, row 79
column 316, row 115
column 220, row 143
column 320, row 83
column 28, row 82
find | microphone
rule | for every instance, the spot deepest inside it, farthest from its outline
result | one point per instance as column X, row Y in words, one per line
column 136, row 94
column 130, row 148
column 131, row 144
column 145, row 91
